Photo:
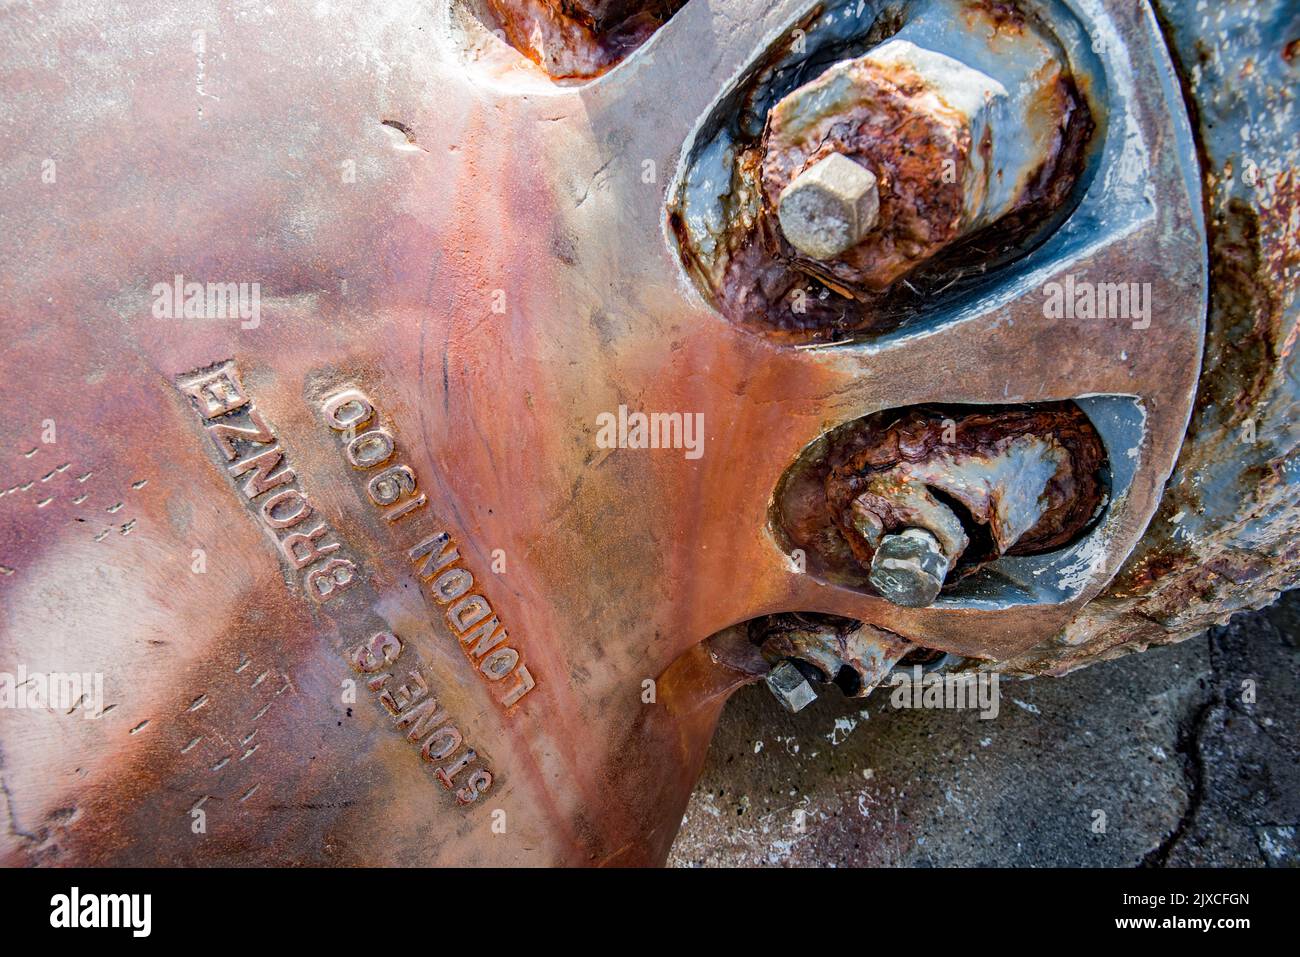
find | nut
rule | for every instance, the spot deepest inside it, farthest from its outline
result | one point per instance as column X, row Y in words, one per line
column 909, row 568
column 790, row 687
column 959, row 123
column 829, row 207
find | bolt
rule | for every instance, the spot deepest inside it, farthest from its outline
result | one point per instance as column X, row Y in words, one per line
column 790, row 687
column 963, row 123
column 829, row 207
column 909, row 568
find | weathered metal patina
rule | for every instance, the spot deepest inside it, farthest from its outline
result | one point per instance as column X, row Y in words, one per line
column 1225, row 536
column 577, row 39
column 973, row 119
column 977, row 485
column 361, row 583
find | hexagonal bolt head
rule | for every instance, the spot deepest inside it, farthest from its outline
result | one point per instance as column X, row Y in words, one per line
column 829, row 207
column 909, row 568
column 790, row 687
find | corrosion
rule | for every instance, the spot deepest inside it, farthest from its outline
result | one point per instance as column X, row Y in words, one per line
column 930, row 453
column 996, row 16
column 853, row 655
column 620, row 562
column 919, row 150
column 907, row 146
column 764, row 285
column 580, row 39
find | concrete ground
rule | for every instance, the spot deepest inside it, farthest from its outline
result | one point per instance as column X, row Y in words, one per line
column 1156, row 759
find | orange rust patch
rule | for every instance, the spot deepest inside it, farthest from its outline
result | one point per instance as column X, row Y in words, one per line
column 579, row 39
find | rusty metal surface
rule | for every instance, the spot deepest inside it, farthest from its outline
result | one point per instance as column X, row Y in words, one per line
column 886, row 480
column 1225, row 537
column 573, row 39
column 979, row 121
column 948, row 140
column 856, row 657
column 482, row 255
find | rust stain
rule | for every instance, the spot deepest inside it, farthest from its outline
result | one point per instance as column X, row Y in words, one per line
column 887, row 448
column 919, row 151
column 580, row 39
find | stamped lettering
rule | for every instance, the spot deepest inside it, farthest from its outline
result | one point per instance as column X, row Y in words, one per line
column 411, row 703
column 248, row 445
column 392, row 488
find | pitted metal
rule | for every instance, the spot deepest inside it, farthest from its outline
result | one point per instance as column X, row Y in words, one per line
column 956, row 145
